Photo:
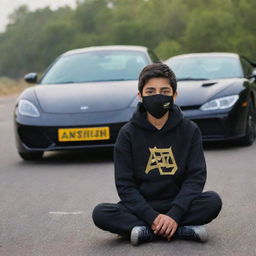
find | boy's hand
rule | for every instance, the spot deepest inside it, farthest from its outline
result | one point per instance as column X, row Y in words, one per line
column 165, row 226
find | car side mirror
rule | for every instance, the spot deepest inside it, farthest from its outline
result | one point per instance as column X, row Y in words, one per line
column 254, row 73
column 31, row 78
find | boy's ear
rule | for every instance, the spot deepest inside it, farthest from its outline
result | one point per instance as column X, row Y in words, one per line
column 139, row 96
column 175, row 95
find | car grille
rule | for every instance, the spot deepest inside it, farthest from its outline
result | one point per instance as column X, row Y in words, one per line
column 211, row 127
column 184, row 108
column 44, row 137
column 34, row 137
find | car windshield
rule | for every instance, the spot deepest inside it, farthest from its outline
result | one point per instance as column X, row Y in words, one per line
column 96, row 66
column 205, row 67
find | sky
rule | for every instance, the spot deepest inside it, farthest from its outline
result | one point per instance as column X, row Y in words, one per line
column 8, row 6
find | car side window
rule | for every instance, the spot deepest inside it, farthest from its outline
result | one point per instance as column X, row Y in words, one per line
column 247, row 68
column 153, row 56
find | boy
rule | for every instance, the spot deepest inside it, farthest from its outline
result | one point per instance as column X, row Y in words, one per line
column 160, row 170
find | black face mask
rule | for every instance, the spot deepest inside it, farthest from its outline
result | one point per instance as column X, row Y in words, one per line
column 157, row 105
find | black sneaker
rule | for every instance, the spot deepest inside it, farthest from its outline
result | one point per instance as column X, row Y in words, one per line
column 194, row 233
column 142, row 234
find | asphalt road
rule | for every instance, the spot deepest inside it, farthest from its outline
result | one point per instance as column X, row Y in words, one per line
column 45, row 207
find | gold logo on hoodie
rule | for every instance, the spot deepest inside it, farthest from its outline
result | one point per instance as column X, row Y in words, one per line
column 162, row 158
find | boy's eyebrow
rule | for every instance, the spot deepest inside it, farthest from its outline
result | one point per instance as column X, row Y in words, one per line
column 166, row 87
column 153, row 88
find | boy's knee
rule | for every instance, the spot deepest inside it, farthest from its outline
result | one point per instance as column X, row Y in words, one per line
column 98, row 214
column 215, row 203
column 103, row 214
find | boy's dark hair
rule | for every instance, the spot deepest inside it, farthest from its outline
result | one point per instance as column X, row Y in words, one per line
column 157, row 70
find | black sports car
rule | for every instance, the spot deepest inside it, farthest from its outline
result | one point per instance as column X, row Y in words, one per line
column 218, row 92
column 82, row 100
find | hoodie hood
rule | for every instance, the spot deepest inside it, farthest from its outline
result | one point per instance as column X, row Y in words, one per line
column 139, row 119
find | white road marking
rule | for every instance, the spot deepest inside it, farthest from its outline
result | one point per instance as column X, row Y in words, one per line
column 67, row 213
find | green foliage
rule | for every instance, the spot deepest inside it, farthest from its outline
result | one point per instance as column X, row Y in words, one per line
column 210, row 31
column 167, row 49
column 35, row 38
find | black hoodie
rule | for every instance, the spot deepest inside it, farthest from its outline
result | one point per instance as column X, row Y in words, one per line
column 159, row 171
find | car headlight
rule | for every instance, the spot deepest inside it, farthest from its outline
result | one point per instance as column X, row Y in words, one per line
column 220, row 103
column 26, row 108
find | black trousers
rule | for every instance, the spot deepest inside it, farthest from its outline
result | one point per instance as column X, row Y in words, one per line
column 116, row 218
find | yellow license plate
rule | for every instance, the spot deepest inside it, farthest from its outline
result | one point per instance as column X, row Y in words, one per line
column 84, row 134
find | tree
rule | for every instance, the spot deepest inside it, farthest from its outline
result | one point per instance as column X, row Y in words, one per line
column 34, row 38
column 168, row 48
column 210, row 31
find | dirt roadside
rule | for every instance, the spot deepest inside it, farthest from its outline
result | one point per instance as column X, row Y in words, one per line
column 6, row 98
column 10, row 86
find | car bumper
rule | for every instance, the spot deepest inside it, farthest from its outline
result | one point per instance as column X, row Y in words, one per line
column 219, row 126
column 33, row 138
column 41, row 134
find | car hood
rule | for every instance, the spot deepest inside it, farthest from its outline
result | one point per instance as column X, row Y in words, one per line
column 86, row 97
column 193, row 93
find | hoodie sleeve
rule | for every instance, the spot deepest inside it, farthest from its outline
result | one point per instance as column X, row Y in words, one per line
column 125, row 182
column 194, row 180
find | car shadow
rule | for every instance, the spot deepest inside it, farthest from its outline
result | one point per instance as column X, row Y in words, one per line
column 222, row 145
column 103, row 155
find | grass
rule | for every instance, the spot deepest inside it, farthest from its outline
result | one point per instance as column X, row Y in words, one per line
column 10, row 86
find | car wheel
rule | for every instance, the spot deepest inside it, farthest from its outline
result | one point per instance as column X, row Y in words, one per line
column 31, row 155
column 249, row 137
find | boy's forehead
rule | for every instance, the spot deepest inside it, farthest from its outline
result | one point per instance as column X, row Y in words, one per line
column 158, row 82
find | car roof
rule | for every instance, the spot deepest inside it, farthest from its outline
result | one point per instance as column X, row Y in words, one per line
column 107, row 48
column 217, row 54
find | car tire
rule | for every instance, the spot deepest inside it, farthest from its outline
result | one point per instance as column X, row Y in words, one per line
column 250, row 135
column 30, row 156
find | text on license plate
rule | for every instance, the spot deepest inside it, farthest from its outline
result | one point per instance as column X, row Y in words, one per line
column 82, row 134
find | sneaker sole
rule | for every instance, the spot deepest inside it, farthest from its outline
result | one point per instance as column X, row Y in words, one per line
column 135, row 236
column 202, row 233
